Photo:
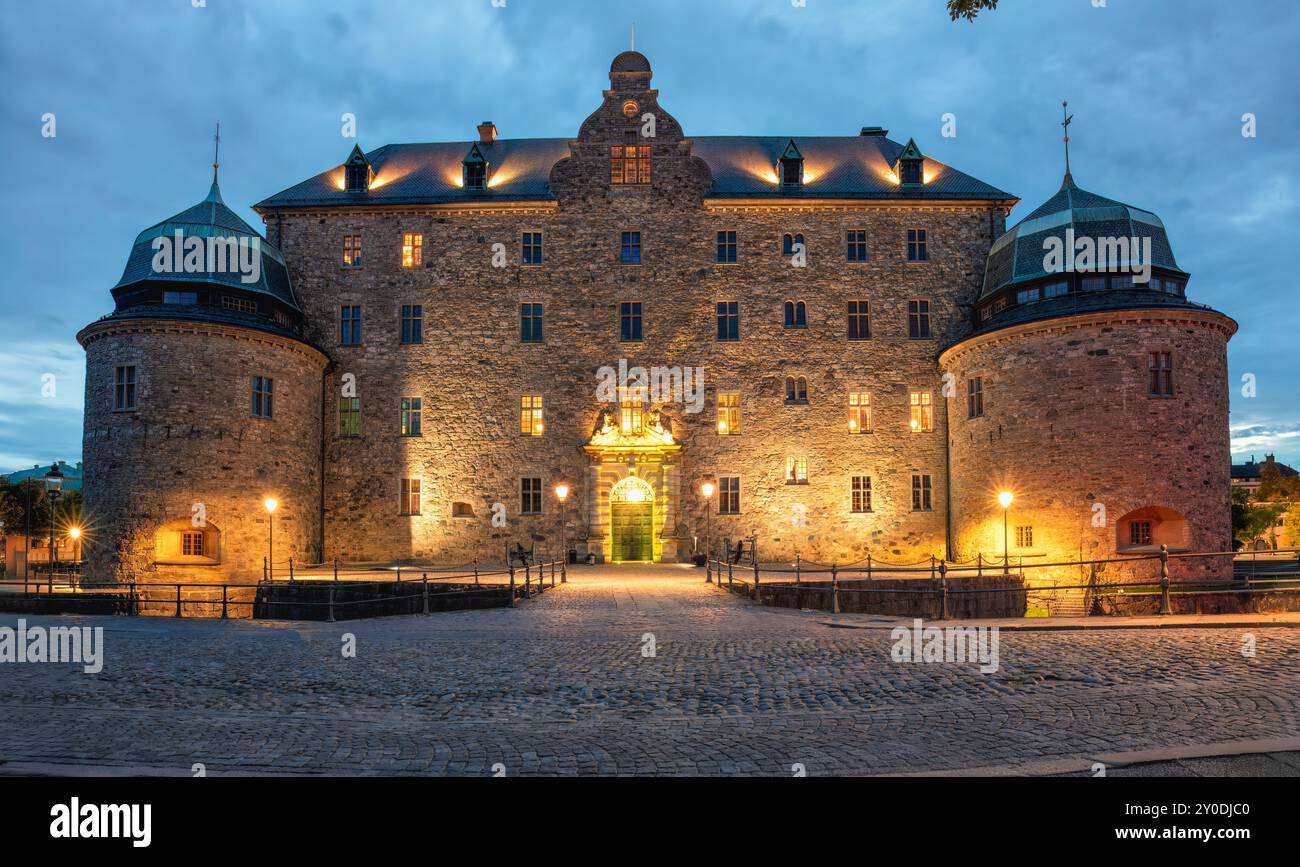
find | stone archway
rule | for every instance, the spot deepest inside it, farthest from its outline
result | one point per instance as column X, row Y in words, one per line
column 632, row 520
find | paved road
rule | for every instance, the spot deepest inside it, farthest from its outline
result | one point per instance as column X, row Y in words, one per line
column 560, row 685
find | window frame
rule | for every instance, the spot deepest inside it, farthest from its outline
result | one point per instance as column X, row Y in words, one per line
column 263, row 397
column 729, row 495
column 918, row 245
column 532, row 316
column 855, row 246
column 125, row 388
column 859, row 316
column 412, row 417
column 530, row 495
column 728, row 312
column 860, row 495
column 918, row 319
column 532, row 415
column 409, row 497
column 922, row 492
column 411, row 324
column 630, row 320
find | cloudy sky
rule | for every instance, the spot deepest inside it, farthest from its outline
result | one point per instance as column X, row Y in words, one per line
column 1158, row 89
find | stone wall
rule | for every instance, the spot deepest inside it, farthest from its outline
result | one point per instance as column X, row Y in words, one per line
column 193, row 440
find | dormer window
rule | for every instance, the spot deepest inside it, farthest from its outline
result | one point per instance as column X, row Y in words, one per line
column 475, row 169
column 911, row 165
column 357, row 172
column 790, row 166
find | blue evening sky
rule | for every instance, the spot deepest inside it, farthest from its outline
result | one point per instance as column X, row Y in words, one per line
column 1158, row 89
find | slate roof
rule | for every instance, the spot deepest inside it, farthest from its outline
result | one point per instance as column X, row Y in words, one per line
column 209, row 218
column 858, row 167
column 1018, row 255
column 1088, row 302
column 1252, row 471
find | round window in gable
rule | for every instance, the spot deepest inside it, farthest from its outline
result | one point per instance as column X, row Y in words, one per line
column 629, row 108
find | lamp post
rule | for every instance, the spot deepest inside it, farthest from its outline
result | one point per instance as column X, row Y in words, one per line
column 270, row 503
column 53, row 487
column 562, row 494
column 1004, row 500
column 74, row 536
column 707, row 490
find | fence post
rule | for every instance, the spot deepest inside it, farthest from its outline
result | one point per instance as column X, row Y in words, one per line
column 728, row 573
column 796, row 568
column 511, row 566
column 835, row 589
column 178, row 600
column 708, row 570
column 399, row 573
column 755, row 577
column 331, row 608
column 979, row 564
column 336, row 568
column 264, row 577
column 528, row 580
column 223, row 602
column 290, row 570
column 564, row 568
column 943, row 582
column 932, row 567
column 868, row 565
column 424, row 579
column 475, row 571
column 1164, row 580
column 552, row 573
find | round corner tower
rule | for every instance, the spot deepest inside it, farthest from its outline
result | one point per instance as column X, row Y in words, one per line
column 1097, row 395
column 202, row 401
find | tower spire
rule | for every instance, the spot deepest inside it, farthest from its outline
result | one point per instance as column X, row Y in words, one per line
column 1066, row 117
column 216, row 152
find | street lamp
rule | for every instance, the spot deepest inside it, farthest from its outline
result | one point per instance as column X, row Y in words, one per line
column 53, row 488
column 1004, row 500
column 562, row 494
column 74, row 534
column 270, row 503
column 707, row 490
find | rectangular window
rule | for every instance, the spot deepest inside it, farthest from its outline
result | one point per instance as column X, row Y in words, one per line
column 862, row 493
column 796, row 470
column 631, row 410
column 974, row 397
column 917, row 247
column 1027, row 296
column 412, row 323
column 530, row 415
column 918, row 319
column 352, row 251
column 349, row 416
column 263, row 393
column 728, row 413
column 629, row 321
column 922, row 411
column 350, row 325
column 532, row 248
column 729, row 495
column 728, row 320
column 630, row 249
column 180, row 298
column 856, row 245
column 192, row 544
column 921, row 494
column 412, row 249
column 1160, row 367
column 1093, row 284
column 124, row 387
column 530, row 496
column 727, row 247
column 1055, row 290
column 411, row 412
column 410, row 500
column 859, row 412
column 240, row 305
column 530, row 322
column 1024, row 536
column 859, row 320
column 1139, row 533
column 1124, row 281
column 629, row 164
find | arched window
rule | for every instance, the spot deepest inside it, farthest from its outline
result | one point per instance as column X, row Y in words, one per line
column 1148, row 528
column 796, row 389
column 796, row 314
column 788, row 242
column 180, row 543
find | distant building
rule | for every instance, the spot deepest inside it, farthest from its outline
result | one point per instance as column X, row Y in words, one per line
column 1249, row 474
column 71, row 475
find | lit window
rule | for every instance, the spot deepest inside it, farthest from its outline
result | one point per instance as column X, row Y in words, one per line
column 918, row 319
column 631, row 411
column 530, row 415
column 859, row 320
column 530, row 495
column 629, row 164
column 350, row 325
column 728, row 413
column 412, row 323
column 796, row 314
column 921, row 493
column 630, row 248
column 859, row 412
column 922, row 412
column 410, row 499
column 727, row 247
column 1024, row 536
column 1160, row 367
column 974, row 397
column 263, row 388
column 530, row 322
column 192, row 544
column 352, row 251
column 796, row 389
column 349, row 416
column 856, row 245
column 796, row 470
column 411, row 412
column 729, row 495
column 412, row 250
column 629, row 321
column 728, row 320
column 862, row 493
column 917, row 246
column 532, row 248
column 124, row 387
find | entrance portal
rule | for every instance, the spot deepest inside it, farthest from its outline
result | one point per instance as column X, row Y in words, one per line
column 631, row 506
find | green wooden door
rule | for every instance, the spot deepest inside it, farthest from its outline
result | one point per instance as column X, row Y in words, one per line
column 633, row 531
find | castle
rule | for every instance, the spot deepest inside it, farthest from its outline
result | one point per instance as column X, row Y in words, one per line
column 414, row 372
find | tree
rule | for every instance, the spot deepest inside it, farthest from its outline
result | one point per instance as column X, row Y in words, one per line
column 968, row 9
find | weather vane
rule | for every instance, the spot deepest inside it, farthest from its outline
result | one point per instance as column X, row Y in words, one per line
column 1065, row 124
column 216, row 151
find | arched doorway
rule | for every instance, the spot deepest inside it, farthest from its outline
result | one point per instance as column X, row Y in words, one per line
column 631, row 507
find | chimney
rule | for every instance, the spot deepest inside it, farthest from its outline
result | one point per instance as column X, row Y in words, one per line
column 873, row 130
column 487, row 132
